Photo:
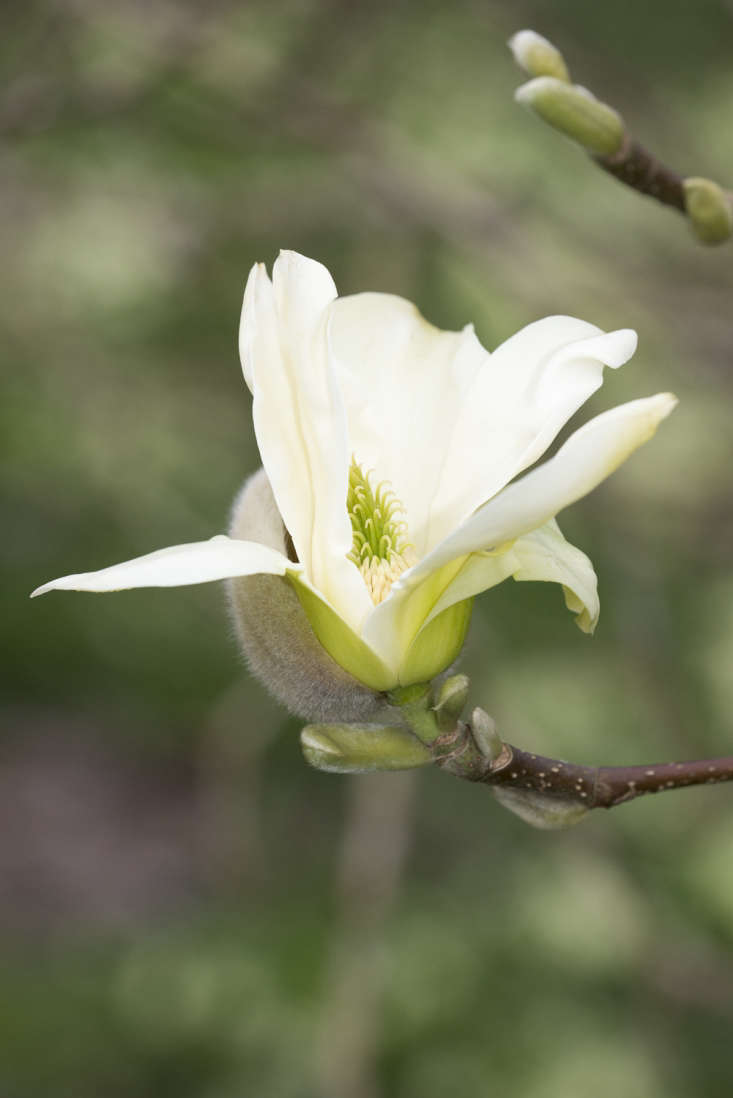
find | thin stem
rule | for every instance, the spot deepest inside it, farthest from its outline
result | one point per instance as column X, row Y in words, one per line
column 638, row 168
column 587, row 786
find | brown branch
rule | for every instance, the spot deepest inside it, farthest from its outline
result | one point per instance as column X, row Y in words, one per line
column 638, row 168
column 586, row 786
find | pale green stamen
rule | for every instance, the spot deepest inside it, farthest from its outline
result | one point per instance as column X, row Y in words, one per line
column 380, row 548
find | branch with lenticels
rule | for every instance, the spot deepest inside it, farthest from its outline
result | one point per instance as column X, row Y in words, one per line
column 545, row 792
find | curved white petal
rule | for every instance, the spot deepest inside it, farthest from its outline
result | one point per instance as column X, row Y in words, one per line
column 478, row 572
column 533, row 384
column 180, row 565
column 544, row 554
column 300, row 421
column 444, row 421
column 590, row 455
column 402, row 381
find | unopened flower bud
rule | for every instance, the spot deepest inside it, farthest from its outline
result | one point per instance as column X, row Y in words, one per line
column 276, row 636
column 709, row 209
column 539, row 810
column 362, row 748
column 537, row 56
column 575, row 112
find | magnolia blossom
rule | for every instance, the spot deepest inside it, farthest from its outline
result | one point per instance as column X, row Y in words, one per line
column 392, row 451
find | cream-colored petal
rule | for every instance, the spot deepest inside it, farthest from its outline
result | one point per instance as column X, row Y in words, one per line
column 445, row 422
column 300, row 421
column 179, row 566
column 393, row 625
column 402, row 380
column 589, row 456
column 517, row 405
column 480, row 553
column 543, row 554
column 344, row 644
column 479, row 572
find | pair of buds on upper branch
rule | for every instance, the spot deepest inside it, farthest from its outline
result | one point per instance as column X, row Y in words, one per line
column 601, row 131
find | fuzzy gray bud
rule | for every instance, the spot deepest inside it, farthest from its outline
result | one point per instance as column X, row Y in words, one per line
column 276, row 637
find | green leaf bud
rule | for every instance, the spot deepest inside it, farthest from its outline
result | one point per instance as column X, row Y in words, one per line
column 537, row 56
column 539, row 810
column 709, row 209
column 362, row 748
column 575, row 112
column 450, row 700
column 486, row 738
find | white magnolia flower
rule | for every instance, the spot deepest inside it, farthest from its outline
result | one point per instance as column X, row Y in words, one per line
column 392, row 450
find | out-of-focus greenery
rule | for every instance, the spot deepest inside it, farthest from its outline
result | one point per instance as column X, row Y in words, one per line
column 176, row 916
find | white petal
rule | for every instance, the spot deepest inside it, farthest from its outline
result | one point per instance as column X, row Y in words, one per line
column 589, row 456
column 445, row 422
column 179, row 566
column 533, row 384
column 543, row 554
column 300, row 422
column 248, row 322
column 479, row 572
column 402, row 381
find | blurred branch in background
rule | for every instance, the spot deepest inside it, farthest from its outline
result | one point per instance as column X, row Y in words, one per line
column 601, row 131
column 372, row 860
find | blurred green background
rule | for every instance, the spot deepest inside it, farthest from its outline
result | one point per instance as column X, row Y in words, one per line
column 186, row 909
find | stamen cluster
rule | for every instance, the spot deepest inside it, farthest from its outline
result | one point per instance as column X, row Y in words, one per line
column 380, row 547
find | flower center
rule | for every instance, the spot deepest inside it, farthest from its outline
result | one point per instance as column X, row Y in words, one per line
column 380, row 548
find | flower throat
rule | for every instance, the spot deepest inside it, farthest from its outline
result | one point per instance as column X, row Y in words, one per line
column 380, row 548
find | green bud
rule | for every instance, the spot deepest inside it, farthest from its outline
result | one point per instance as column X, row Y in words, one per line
column 362, row 748
column 575, row 112
column 709, row 209
column 537, row 56
column 539, row 810
column 486, row 738
column 450, row 699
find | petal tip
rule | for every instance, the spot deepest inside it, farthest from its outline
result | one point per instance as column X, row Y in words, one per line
column 665, row 403
column 630, row 339
column 618, row 347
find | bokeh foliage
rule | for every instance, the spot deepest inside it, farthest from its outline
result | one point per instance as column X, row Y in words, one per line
column 175, row 914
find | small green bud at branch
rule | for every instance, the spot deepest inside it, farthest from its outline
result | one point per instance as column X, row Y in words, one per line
column 362, row 748
column 450, row 701
column 537, row 56
column 709, row 209
column 486, row 738
column 545, row 813
column 574, row 112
